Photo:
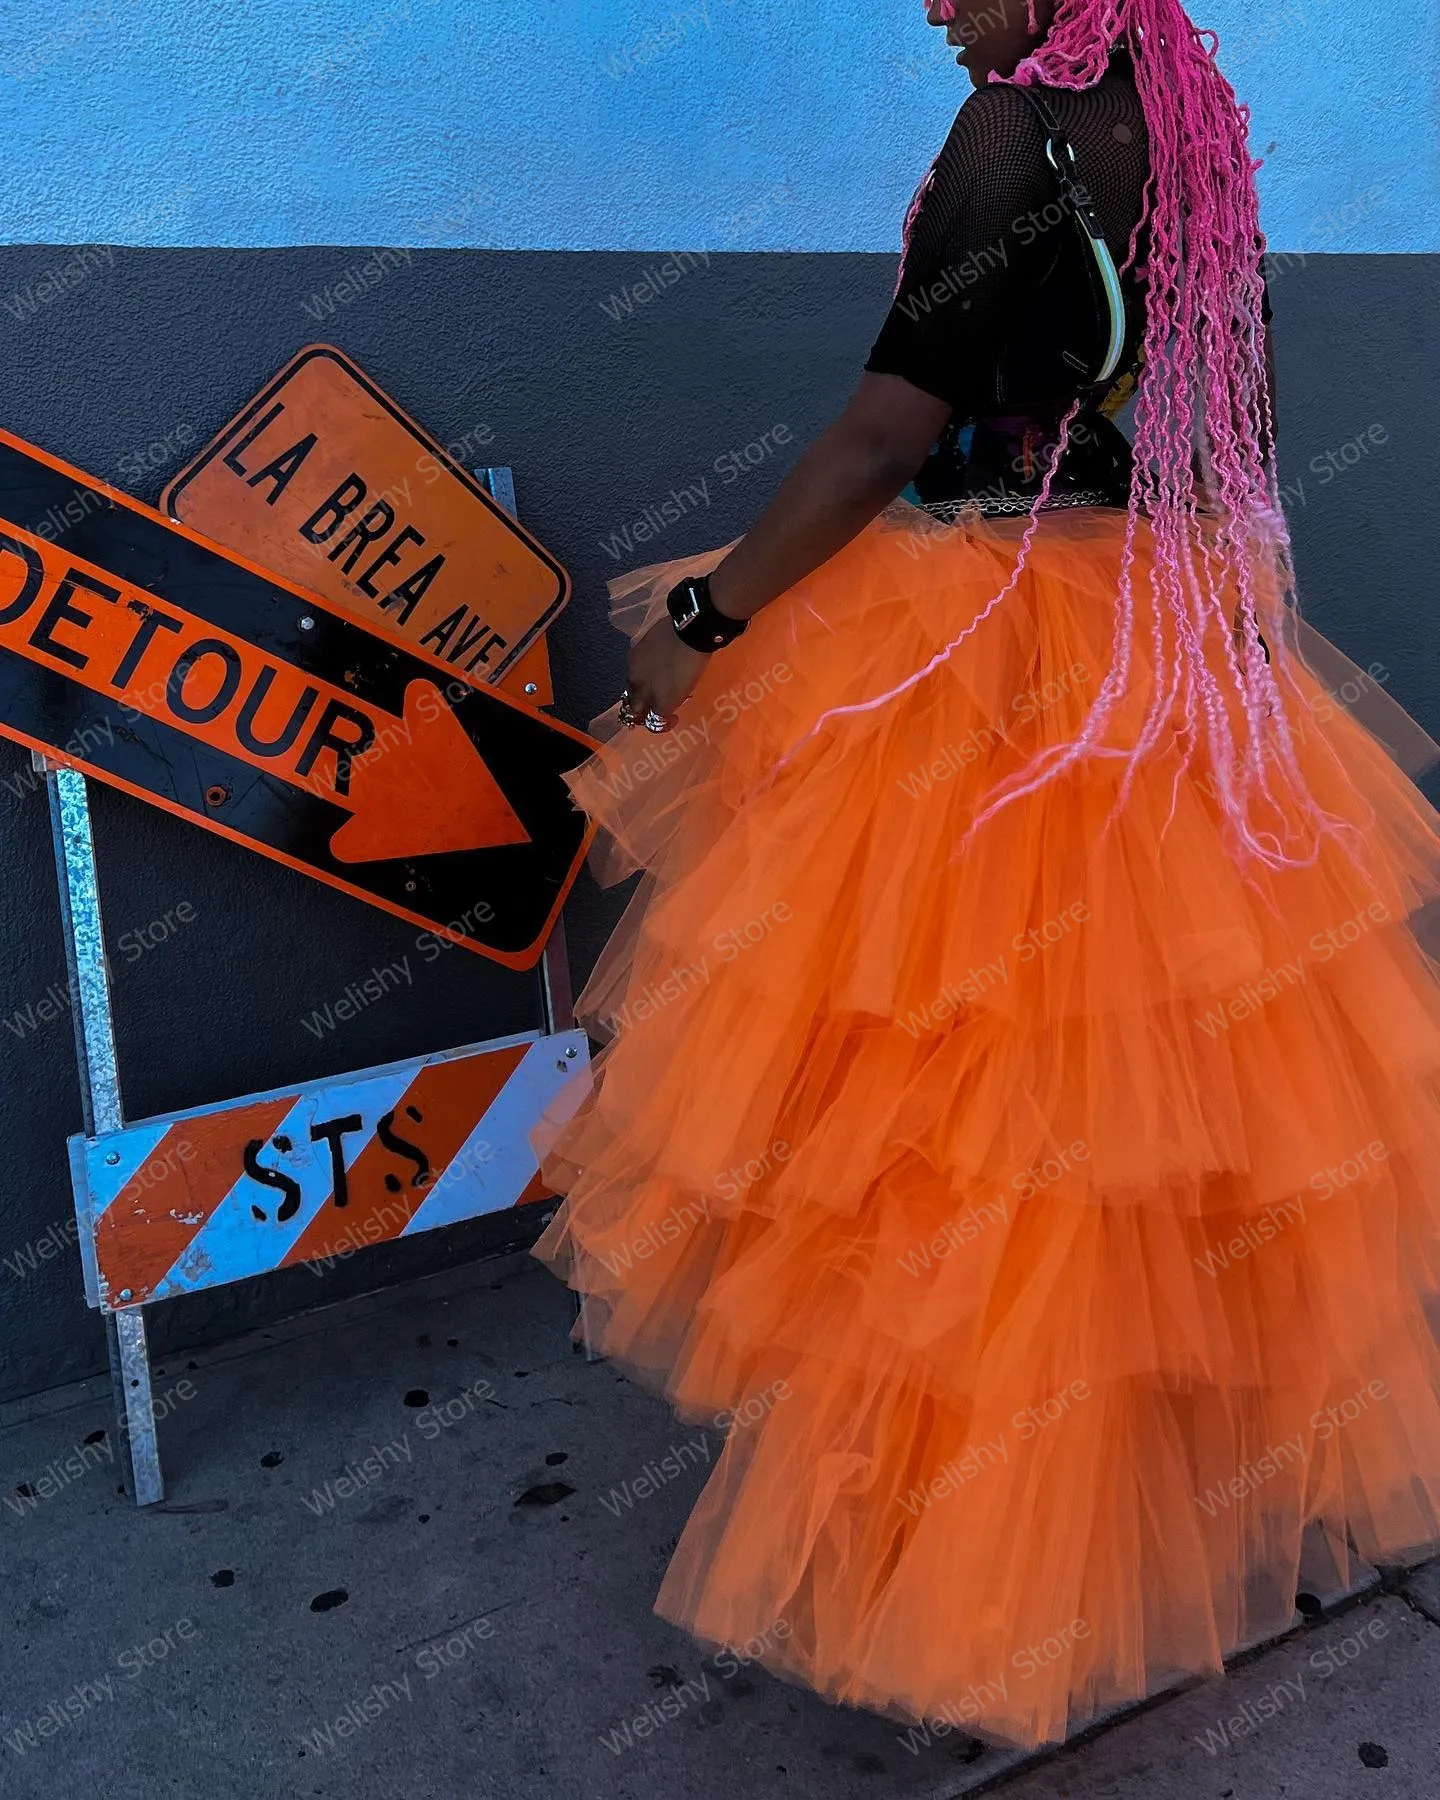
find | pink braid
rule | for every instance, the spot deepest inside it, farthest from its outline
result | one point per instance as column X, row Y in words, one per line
column 1224, row 570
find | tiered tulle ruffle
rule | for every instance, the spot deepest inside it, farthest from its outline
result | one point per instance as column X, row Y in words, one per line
column 1057, row 1215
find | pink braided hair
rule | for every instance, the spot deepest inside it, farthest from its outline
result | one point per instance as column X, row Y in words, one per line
column 1203, row 371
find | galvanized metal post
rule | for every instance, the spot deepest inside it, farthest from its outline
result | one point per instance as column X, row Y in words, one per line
column 557, row 1001
column 95, row 1058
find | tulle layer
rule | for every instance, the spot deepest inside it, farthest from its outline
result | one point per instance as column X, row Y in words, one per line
column 1049, row 1221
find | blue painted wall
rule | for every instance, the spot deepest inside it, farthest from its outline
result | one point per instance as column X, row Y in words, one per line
column 622, row 124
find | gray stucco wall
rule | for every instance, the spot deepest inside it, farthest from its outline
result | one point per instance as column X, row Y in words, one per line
column 600, row 416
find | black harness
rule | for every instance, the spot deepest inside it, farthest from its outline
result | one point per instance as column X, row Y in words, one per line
column 1000, row 467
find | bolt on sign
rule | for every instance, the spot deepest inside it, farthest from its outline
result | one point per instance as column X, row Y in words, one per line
column 324, row 479
column 132, row 648
column 314, row 1172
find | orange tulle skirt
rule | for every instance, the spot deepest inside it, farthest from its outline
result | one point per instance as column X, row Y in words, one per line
column 1047, row 1223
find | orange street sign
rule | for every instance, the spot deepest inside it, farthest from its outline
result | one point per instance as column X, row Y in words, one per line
column 324, row 479
column 137, row 650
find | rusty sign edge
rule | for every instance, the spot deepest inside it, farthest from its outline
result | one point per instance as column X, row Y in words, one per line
column 281, row 1089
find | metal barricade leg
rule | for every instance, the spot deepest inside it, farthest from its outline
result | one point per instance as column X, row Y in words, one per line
column 138, row 1418
column 558, row 1005
column 95, row 1060
column 557, row 999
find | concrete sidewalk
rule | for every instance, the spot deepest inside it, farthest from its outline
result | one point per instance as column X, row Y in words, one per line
column 399, row 1557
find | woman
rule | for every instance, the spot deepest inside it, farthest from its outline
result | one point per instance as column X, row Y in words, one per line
column 1018, row 1127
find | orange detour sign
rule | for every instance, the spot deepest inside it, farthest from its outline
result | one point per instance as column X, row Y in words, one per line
column 325, row 480
column 132, row 648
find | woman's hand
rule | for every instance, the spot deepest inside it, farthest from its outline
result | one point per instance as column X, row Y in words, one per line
column 843, row 480
column 662, row 671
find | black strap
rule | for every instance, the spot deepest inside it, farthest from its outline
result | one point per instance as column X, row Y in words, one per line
column 1060, row 154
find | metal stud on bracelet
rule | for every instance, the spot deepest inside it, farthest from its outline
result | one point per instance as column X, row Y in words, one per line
column 698, row 622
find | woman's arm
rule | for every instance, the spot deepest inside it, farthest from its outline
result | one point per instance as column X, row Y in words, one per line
column 841, row 482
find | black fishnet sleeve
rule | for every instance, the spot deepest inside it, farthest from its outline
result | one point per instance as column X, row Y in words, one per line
column 968, row 237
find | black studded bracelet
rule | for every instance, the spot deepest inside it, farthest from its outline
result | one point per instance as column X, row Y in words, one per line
column 697, row 620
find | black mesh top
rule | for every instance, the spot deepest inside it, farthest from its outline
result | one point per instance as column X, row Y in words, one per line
column 971, row 322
